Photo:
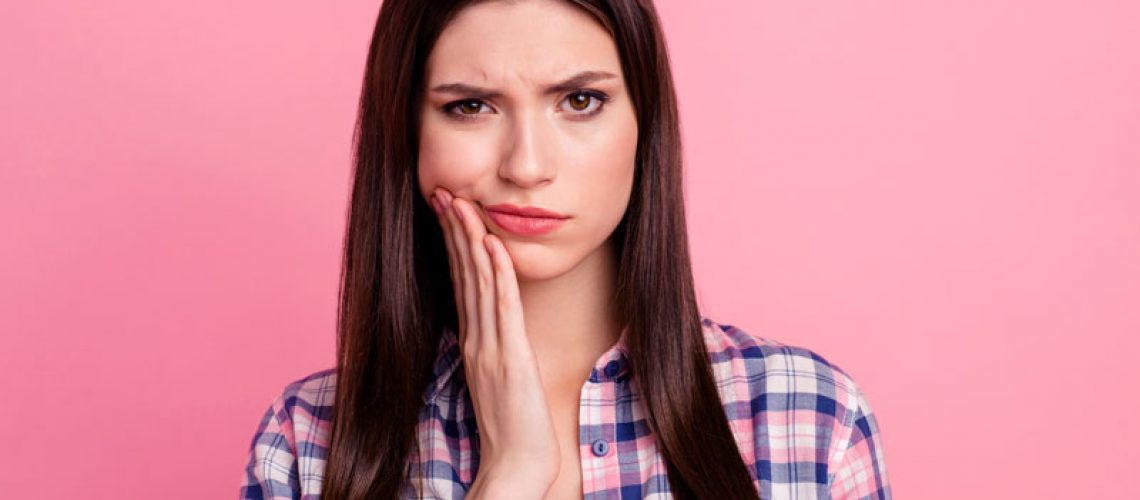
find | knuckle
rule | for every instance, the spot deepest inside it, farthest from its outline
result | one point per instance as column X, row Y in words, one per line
column 486, row 281
column 505, row 302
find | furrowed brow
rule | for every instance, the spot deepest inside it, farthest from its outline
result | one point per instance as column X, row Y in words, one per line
column 579, row 80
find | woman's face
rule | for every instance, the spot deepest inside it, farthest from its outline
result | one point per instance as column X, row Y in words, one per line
column 499, row 127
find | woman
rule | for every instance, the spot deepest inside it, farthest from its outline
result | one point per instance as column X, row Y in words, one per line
column 527, row 327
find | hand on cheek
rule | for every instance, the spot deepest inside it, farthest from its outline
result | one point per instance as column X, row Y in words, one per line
column 502, row 372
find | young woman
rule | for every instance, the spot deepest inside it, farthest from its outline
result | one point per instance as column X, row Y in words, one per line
column 517, row 316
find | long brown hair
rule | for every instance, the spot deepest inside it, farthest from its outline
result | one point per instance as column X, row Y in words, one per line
column 395, row 295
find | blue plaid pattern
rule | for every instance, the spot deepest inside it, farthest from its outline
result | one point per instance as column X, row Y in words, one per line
column 802, row 426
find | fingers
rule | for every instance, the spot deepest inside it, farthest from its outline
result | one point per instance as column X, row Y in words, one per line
column 509, row 312
column 484, row 274
column 453, row 264
column 468, row 304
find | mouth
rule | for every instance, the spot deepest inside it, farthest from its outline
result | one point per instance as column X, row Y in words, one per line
column 528, row 211
column 525, row 221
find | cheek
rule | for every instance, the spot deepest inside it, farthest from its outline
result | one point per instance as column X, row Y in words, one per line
column 606, row 168
column 451, row 158
column 606, row 150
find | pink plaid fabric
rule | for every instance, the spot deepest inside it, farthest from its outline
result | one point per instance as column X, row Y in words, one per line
column 802, row 425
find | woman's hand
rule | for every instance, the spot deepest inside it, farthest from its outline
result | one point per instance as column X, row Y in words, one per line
column 519, row 449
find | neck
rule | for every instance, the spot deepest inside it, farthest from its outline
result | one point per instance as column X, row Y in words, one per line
column 571, row 320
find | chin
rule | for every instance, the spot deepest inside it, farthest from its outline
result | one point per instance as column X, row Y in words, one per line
column 536, row 262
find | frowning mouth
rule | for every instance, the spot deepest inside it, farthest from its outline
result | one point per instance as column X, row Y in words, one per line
column 525, row 221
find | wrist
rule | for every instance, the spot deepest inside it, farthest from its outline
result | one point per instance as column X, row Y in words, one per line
column 509, row 484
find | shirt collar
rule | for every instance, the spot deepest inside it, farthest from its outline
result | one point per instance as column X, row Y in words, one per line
column 612, row 365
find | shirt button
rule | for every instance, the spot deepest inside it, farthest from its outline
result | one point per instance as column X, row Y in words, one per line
column 600, row 447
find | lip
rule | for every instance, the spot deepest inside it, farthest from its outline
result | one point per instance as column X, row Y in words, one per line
column 525, row 221
column 509, row 209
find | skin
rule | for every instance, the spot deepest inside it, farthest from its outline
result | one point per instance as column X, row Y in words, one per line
column 535, row 311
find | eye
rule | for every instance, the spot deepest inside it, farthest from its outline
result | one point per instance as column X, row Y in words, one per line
column 582, row 100
column 467, row 109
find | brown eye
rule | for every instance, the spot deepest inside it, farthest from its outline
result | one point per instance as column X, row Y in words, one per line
column 465, row 110
column 580, row 101
column 472, row 106
column 586, row 103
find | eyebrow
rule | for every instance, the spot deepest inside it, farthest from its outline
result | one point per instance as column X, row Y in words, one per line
column 571, row 83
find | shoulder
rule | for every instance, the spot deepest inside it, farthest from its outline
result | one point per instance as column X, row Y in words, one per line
column 773, row 369
column 291, row 436
column 772, row 392
column 300, row 409
column 304, row 405
column 313, row 394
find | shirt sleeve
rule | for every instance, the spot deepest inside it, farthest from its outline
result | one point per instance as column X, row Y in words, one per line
column 860, row 471
column 271, row 468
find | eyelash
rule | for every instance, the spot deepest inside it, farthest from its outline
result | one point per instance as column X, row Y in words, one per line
column 599, row 96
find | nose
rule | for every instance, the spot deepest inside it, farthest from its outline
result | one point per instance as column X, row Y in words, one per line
column 528, row 159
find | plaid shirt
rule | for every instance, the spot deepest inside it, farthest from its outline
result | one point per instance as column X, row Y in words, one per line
column 803, row 427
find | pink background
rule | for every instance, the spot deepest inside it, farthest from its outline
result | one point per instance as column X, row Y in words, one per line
column 941, row 197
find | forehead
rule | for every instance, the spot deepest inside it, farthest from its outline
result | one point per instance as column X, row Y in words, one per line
column 530, row 42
